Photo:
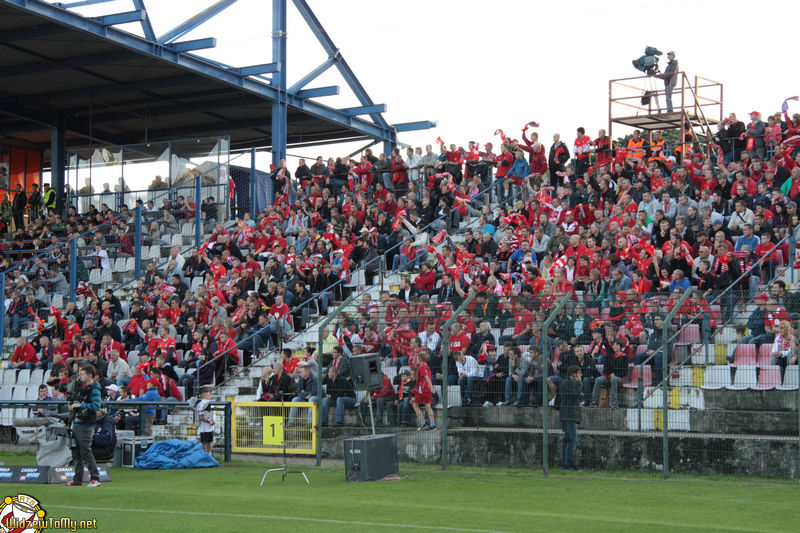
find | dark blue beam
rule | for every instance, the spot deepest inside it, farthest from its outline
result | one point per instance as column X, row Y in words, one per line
column 121, row 18
column 185, row 27
column 345, row 70
column 266, row 68
column 314, row 74
column 81, row 3
column 413, row 126
column 195, row 44
column 364, row 110
column 147, row 26
column 330, row 90
column 280, row 112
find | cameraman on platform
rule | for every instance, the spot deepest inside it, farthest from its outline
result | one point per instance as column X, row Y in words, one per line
column 84, row 413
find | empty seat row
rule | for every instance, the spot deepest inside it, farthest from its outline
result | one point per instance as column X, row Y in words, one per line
column 25, row 376
column 751, row 377
column 750, row 355
column 19, row 393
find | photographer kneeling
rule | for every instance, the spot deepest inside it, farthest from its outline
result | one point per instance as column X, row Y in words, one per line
column 83, row 426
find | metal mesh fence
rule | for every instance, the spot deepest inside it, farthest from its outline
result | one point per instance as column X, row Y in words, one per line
column 266, row 427
column 727, row 390
column 22, row 422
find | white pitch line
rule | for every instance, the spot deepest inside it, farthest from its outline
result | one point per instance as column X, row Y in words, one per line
column 274, row 517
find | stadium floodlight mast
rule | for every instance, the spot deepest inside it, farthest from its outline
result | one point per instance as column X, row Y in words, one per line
column 648, row 63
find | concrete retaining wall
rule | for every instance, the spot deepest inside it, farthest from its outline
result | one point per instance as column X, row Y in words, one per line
column 704, row 455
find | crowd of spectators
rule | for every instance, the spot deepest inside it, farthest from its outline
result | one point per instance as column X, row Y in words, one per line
column 625, row 229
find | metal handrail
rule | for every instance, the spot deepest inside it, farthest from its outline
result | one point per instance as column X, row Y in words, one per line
column 379, row 258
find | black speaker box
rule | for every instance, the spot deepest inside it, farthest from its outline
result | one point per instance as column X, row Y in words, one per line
column 370, row 458
column 366, row 372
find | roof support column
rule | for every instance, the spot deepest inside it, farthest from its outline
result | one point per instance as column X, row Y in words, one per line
column 389, row 146
column 279, row 108
column 58, row 156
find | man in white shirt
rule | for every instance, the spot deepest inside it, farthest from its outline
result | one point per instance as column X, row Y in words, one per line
column 413, row 161
column 430, row 339
column 703, row 255
column 175, row 253
column 428, row 161
column 649, row 204
column 469, row 374
column 541, row 242
column 118, row 370
column 740, row 217
column 103, row 255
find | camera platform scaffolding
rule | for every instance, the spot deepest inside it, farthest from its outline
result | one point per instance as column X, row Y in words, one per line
column 637, row 102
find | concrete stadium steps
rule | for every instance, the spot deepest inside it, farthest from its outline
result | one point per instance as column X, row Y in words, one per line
column 242, row 387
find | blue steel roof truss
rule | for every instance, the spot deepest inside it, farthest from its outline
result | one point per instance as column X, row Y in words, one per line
column 248, row 78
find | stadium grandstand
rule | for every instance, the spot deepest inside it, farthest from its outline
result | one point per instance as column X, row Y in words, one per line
column 663, row 264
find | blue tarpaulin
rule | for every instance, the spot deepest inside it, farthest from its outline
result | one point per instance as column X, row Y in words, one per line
column 175, row 453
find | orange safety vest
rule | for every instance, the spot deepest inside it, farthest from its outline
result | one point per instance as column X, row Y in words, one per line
column 657, row 150
column 635, row 149
column 685, row 150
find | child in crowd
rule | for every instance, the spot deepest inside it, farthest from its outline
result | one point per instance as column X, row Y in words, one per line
column 423, row 392
column 205, row 420
column 44, row 395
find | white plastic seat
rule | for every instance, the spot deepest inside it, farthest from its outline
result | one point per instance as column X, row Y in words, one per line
column 684, row 378
column 106, row 275
column 9, row 377
column 726, row 335
column 390, row 371
column 791, row 379
column 37, row 376
column 177, row 240
column 196, row 282
column 95, row 276
column 453, row 395
column 20, row 395
column 130, row 264
column 717, row 377
column 745, row 378
column 6, row 414
column 187, row 229
column 57, row 301
column 32, row 393
column 23, row 377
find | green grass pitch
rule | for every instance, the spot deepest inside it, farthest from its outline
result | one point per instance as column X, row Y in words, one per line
column 428, row 499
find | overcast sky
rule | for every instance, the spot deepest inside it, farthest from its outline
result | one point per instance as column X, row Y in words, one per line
column 475, row 66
